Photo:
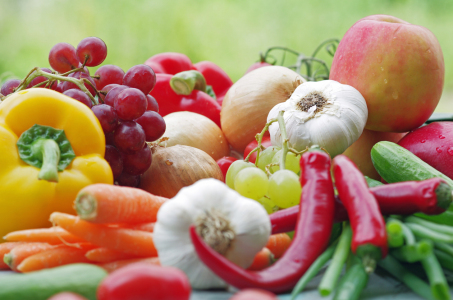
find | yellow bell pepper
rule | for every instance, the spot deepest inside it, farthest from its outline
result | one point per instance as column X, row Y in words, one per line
column 26, row 201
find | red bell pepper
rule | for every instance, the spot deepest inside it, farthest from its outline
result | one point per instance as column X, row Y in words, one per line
column 215, row 77
column 169, row 63
column 196, row 101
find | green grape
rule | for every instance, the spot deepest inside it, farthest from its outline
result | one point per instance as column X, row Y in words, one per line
column 292, row 162
column 266, row 156
column 234, row 168
column 251, row 183
column 285, row 188
column 268, row 205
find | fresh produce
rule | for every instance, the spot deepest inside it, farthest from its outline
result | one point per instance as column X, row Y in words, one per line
column 352, row 283
column 394, row 163
column 262, row 260
column 144, row 281
column 169, row 63
column 67, row 296
column 252, row 294
column 195, row 130
column 5, row 248
column 359, row 151
column 118, row 264
column 44, row 152
column 103, row 203
column 369, row 239
column 82, row 279
column 225, row 163
column 234, row 169
column 284, row 188
column 17, row 254
column 220, row 216
column 323, row 113
column 106, row 255
column 248, row 102
column 278, row 244
column 176, row 167
column 126, row 240
column 216, row 78
column 310, row 239
column 398, row 67
column 432, row 143
column 265, row 142
column 431, row 196
column 53, row 235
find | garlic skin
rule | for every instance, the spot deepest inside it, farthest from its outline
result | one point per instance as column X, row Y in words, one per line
column 325, row 113
column 237, row 227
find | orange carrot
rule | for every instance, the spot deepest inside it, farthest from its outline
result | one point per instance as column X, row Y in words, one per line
column 278, row 243
column 115, row 265
column 105, row 203
column 141, row 226
column 54, row 236
column 263, row 259
column 57, row 256
column 126, row 240
column 105, row 255
column 21, row 252
column 5, row 248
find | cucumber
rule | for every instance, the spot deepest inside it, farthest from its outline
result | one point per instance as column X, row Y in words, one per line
column 395, row 163
column 80, row 278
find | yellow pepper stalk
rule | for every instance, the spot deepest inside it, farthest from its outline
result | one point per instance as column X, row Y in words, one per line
column 25, row 200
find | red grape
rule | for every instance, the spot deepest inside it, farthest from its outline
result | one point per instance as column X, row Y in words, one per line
column 115, row 160
column 67, row 85
column 92, row 50
column 138, row 162
column 113, row 93
column 152, row 103
column 141, row 77
column 108, row 74
column 109, row 139
column 128, row 180
column 130, row 104
column 129, row 137
column 9, row 86
column 103, row 92
column 59, row 87
column 153, row 124
column 80, row 96
column 40, row 79
column 106, row 116
column 63, row 58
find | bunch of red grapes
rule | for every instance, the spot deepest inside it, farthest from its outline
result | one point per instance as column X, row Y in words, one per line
column 127, row 113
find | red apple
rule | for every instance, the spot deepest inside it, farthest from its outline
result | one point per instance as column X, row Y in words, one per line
column 360, row 151
column 397, row 66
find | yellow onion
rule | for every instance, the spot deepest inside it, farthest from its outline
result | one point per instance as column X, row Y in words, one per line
column 175, row 167
column 248, row 102
column 195, row 130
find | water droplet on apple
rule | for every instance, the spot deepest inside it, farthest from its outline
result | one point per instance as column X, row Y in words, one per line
column 422, row 141
column 438, row 150
column 450, row 151
column 441, row 137
column 385, row 81
column 395, row 95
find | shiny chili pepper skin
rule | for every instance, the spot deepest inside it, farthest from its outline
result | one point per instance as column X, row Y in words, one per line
column 402, row 198
column 197, row 102
column 367, row 222
column 310, row 238
column 217, row 78
column 169, row 63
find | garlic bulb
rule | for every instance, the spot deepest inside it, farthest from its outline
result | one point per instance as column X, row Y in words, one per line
column 235, row 226
column 325, row 113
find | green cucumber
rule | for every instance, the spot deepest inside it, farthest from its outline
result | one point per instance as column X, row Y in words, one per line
column 80, row 278
column 395, row 164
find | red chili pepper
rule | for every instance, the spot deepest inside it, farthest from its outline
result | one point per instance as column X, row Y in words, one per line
column 369, row 235
column 310, row 238
column 266, row 142
column 402, row 198
column 217, row 78
column 197, row 101
column 225, row 163
column 169, row 63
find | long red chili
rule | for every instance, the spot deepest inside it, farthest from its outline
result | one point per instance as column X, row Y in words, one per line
column 310, row 239
column 369, row 235
column 431, row 197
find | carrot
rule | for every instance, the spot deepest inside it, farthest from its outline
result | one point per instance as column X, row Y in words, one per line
column 105, row 255
column 54, row 236
column 126, row 240
column 278, row 243
column 263, row 259
column 5, row 248
column 141, row 226
column 21, row 252
column 57, row 256
column 115, row 265
column 105, row 203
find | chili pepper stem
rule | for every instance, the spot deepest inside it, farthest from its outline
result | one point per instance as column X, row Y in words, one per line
column 49, row 150
column 185, row 82
column 369, row 254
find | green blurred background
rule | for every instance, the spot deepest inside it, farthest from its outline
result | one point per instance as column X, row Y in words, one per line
column 230, row 33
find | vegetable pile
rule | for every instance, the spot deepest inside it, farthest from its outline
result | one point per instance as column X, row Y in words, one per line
column 169, row 178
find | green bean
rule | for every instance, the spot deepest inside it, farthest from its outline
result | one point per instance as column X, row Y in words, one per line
column 413, row 253
column 433, row 226
column 444, row 247
column 445, row 260
column 427, row 233
column 409, row 237
column 395, row 236
column 445, row 218
column 353, row 282
column 439, row 285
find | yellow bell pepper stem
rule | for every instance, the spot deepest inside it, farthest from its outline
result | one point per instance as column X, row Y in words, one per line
column 49, row 152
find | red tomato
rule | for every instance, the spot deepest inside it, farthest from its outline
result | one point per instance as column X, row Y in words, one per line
column 144, row 281
column 253, row 294
column 266, row 142
column 67, row 296
column 224, row 163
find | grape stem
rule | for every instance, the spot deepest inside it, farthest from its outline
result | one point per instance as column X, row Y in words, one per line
column 281, row 124
column 36, row 72
column 259, row 139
